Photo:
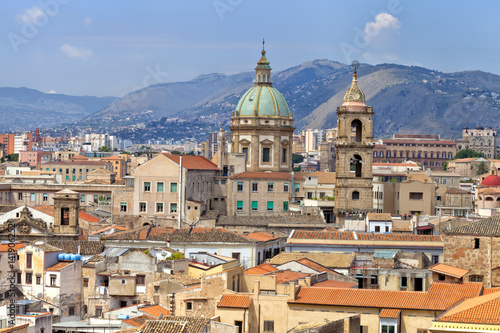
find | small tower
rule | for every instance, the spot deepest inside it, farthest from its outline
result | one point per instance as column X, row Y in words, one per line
column 353, row 186
column 262, row 125
column 66, row 209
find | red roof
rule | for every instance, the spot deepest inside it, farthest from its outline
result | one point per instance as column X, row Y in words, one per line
column 350, row 235
column 261, row 236
column 155, row 310
column 334, row 284
column 266, row 175
column 440, row 296
column 138, row 321
column 491, row 180
column 193, row 162
column 448, row 270
column 389, row 313
column 480, row 310
column 287, row 276
column 5, row 247
column 261, row 269
column 235, row 301
column 49, row 210
column 313, row 265
column 58, row 266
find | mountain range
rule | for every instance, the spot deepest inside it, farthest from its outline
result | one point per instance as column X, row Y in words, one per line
column 406, row 99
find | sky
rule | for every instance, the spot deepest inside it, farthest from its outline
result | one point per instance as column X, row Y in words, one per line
column 110, row 48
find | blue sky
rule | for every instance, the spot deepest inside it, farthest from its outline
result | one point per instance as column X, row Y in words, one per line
column 113, row 47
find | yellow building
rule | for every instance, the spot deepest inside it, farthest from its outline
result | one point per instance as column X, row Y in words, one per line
column 203, row 264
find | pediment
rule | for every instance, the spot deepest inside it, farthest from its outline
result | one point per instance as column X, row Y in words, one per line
column 266, row 142
column 24, row 226
column 285, row 142
column 244, row 142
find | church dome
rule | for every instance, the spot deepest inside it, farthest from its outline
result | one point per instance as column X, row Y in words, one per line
column 479, row 127
column 491, row 180
column 263, row 99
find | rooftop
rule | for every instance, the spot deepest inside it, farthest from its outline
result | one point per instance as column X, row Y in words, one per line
column 176, row 324
column 389, row 313
column 486, row 227
column 60, row 265
column 331, row 260
column 449, row 270
column 235, row 301
column 266, row 175
column 479, row 310
column 261, row 269
column 352, row 235
column 72, row 246
column 379, row 217
column 193, row 162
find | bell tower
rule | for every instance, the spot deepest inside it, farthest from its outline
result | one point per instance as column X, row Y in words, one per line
column 353, row 186
column 66, row 209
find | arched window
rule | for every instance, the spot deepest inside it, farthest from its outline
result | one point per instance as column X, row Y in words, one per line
column 388, row 154
column 374, row 154
column 356, row 131
column 382, row 153
column 355, row 195
column 356, row 165
column 489, row 199
column 498, row 199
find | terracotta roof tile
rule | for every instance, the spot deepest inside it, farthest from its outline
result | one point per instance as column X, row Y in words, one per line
column 5, row 247
column 261, row 236
column 14, row 329
column 486, row 227
column 177, row 324
column 287, row 276
column 440, row 296
column 193, row 162
column 86, row 247
column 330, row 260
column 155, row 310
column 314, row 265
column 261, row 269
column 487, row 291
column 449, row 270
column 58, row 266
column 138, row 321
column 349, row 235
column 389, row 313
column 49, row 210
column 235, row 301
column 479, row 310
column 266, row 175
column 379, row 217
column 334, row 284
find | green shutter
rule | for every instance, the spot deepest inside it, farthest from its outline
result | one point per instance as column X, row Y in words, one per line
column 255, row 205
column 285, row 206
column 239, row 204
column 270, row 205
column 173, row 187
column 159, row 187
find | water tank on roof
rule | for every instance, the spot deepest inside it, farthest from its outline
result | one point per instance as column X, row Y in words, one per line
column 123, row 316
column 67, row 256
column 73, row 257
column 60, row 256
column 78, row 257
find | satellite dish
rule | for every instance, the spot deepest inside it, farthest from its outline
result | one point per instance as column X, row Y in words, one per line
column 39, row 295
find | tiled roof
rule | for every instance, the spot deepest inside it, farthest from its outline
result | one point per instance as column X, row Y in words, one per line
column 191, row 325
column 75, row 163
column 4, row 247
column 351, row 235
column 410, row 165
column 489, row 190
column 379, row 217
column 48, row 248
column 486, row 227
column 197, row 235
column 401, row 226
column 193, row 162
column 110, row 227
column 331, row 260
column 314, row 265
column 261, row 269
column 457, row 191
column 479, row 310
column 323, row 177
column 155, row 310
column 60, row 265
column 49, row 210
column 86, row 247
column 138, row 321
column 287, row 276
column 334, row 284
column 14, row 329
column 266, row 175
column 449, row 270
column 261, row 236
column 235, row 301
column 487, row 291
column 439, row 297
column 389, row 313
column 265, row 221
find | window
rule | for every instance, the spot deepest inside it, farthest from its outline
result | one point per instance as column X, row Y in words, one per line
column 239, row 205
column 223, row 182
column 268, row 325
column 53, row 279
column 283, row 159
column 297, row 187
column 96, row 198
column 476, row 243
column 422, row 330
column 140, row 280
column 159, row 207
column 147, row 186
column 476, row 278
column 38, row 279
column 438, row 198
column 29, row 278
column 444, row 180
column 245, row 151
column 19, row 277
column 29, row 260
column 309, row 195
column 265, row 154
column 270, row 187
column 416, row 195
column 173, row 208
column 434, row 259
column 355, row 195
column 123, row 281
column 235, row 255
column 173, row 187
column 156, row 289
column 255, row 205
column 85, row 282
column 98, row 311
column 123, row 207
column 285, row 187
column 45, row 197
column 285, row 206
column 189, row 306
column 239, row 187
column 82, row 197
column 19, row 196
column 388, row 329
column 142, row 206
column 404, row 282
column 377, row 228
column 441, row 277
column 270, row 205
column 159, row 187
column 255, row 187
column 71, row 311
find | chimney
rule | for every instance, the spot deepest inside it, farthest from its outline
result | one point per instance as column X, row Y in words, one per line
column 256, row 289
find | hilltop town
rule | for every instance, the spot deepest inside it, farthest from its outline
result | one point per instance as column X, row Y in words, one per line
column 257, row 228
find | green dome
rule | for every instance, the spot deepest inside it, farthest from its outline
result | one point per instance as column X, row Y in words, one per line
column 263, row 100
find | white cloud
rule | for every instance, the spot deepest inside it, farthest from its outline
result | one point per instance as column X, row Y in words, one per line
column 88, row 21
column 30, row 15
column 383, row 21
column 52, row 92
column 76, row 52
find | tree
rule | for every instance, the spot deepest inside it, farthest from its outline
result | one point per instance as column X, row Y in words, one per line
column 467, row 153
column 104, row 149
column 482, row 168
column 445, row 166
column 297, row 169
column 296, row 158
column 13, row 157
column 2, row 159
column 175, row 256
column 175, row 152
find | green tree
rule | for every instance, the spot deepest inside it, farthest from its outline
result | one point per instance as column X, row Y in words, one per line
column 445, row 166
column 482, row 168
column 175, row 256
column 175, row 152
column 13, row 157
column 297, row 169
column 296, row 158
column 467, row 153
column 104, row 149
column 2, row 159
